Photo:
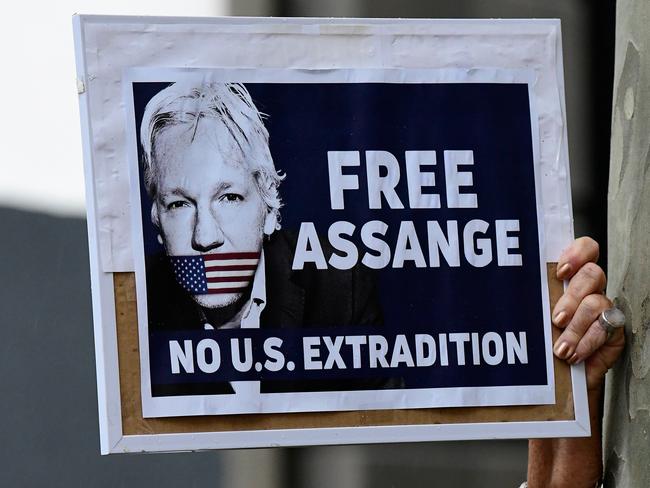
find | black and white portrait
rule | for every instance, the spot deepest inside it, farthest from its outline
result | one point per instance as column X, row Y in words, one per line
column 216, row 207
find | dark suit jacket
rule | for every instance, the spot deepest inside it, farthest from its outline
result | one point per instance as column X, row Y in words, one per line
column 295, row 298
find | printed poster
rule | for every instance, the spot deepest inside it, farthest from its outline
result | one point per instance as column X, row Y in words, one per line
column 329, row 240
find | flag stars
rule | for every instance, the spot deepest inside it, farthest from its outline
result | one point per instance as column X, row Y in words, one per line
column 190, row 273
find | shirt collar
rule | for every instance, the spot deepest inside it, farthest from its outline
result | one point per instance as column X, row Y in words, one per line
column 257, row 301
column 258, row 292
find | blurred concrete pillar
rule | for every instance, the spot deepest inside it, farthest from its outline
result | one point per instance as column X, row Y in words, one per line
column 331, row 8
column 253, row 8
column 298, row 8
column 627, row 415
column 252, row 468
column 332, row 467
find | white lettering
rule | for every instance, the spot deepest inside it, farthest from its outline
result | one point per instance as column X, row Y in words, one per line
column 401, row 352
column 336, row 160
column 351, row 255
column 356, row 342
column 476, row 350
column 308, row 248
column 460, row 339
column 334, row 352
column 497, row 357
column 444, row 357
column 184, row 356
column 311, row 353
column 439, row 243
column 505, row 242
column 237, row 363
column 377, row 349
column 408, row 246
column 202, row 348
column 454, row 179
column 378, row 185
column 368, row 232
column 520, row 348
column 484, row 255
column 275, row 361
column 417, row 179
column 425, row 350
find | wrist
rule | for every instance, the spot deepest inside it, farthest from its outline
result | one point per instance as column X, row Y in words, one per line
column 569, row 462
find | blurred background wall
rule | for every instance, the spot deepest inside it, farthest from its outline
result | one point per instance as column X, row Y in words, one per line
column 48, row 415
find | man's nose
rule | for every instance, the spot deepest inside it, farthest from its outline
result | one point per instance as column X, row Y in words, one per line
column 207, row 233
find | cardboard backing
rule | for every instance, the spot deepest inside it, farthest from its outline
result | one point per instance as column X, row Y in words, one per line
column 134, row 424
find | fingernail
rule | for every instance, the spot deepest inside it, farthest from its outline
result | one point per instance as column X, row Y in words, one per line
column 559, row 317
column 561, row 350
column 573, row 359
column 564, row 270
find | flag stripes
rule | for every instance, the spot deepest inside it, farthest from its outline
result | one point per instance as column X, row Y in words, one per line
column 215, row 273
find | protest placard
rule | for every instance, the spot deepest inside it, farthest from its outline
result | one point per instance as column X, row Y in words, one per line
column 319, row 235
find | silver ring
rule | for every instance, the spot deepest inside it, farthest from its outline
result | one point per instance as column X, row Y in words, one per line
column 611, row 320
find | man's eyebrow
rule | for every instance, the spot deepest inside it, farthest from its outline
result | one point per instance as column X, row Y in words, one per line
column 174, row 192
column 224, row 185
column 178, row 191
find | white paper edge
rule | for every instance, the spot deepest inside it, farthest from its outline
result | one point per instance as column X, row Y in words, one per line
column 243, row 20
column 137, row 239
column 103, row 300
column 349, row 435
column 578, row 376
column 564, row 145
column 541, row 234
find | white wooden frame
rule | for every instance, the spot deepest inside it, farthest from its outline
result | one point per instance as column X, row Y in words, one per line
column 111, row 433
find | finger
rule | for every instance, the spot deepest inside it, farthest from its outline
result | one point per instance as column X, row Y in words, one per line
column 588, row 280
column 604, row 358
column 593, row 339
column 587, row 312
column 582, row 250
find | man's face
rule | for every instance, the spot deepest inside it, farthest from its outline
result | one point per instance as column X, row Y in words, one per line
column 207, row 199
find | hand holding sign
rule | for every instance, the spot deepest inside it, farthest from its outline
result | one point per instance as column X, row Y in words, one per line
column 569, row 462
column 578, row 309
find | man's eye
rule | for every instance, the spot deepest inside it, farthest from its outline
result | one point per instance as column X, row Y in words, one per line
column 177, row 204
column 231, row 197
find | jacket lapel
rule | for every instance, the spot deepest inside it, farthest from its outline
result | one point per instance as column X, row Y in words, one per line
column 285, row 296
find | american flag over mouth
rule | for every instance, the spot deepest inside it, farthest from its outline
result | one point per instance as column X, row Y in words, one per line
column 215, row 273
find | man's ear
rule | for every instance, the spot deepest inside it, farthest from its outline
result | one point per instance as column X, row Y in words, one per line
column 155, row 220
column 270, row 222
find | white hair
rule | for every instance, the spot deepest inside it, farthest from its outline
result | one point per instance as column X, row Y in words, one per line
column 228, row 103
